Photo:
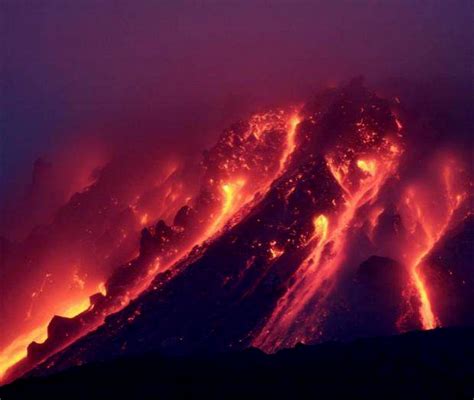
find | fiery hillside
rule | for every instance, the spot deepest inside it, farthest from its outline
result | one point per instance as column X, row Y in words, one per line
column 307, row 223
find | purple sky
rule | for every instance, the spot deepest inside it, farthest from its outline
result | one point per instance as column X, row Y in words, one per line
column 74, row 64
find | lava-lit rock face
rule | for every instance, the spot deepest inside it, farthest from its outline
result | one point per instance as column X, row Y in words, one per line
column 449, row 271
column 309, row 224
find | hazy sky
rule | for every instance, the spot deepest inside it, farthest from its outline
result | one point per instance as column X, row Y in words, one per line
column 69, row 66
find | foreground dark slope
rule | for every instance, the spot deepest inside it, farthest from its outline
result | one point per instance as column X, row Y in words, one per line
column 432, row 364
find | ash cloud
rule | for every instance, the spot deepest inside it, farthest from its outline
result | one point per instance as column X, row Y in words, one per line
column 160, row 66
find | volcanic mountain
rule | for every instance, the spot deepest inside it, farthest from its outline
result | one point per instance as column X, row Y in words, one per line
column 310, row 223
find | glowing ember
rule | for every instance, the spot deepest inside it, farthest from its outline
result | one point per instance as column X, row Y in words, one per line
column 369, row 166
column 144, row 219
column 275, row 251
column 321, row 227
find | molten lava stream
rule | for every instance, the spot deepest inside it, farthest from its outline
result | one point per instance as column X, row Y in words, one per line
column 433, row 224
column 233, row 198
column 290, row 143
column 232, row 193
column 17, row 350
column 319, row 267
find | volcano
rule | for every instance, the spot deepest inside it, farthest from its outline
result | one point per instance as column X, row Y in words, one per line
column 324, row 221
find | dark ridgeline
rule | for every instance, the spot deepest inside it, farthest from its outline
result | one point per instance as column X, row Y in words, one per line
column 417, row 365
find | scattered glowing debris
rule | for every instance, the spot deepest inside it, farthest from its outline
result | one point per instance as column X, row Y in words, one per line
column 275, row 251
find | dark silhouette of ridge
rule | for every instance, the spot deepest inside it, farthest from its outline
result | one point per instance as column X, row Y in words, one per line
column 436, row 364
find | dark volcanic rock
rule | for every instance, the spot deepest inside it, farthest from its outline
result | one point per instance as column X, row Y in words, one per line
column 420, row 365
column 378, row 295
column 450, row 273
column 371, row 302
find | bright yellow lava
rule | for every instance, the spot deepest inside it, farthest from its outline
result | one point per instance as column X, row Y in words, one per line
column 321, row 224
column 368, row 166
column 17, row 350
column 230, row 194
column 428, row 319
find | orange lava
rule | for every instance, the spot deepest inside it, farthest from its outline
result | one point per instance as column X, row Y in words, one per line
column 290, row 144
column 17, row 350
column 428, row 319
column 322, row 264
column 321, row 224
column 231, row 200
column 368, row 166
column 428, row 222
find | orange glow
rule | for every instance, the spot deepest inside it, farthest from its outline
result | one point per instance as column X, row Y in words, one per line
column 338, row 172
column 373, row 219
column 322, row 214
column 432, row 221
column 231, row 197
column 368, row 166
column 144, row 219
column 316, row 273
column 275, row 251
column 290, row 144
column 321, row 227
column 77, row 308
column 102, row 289
column 230, row 190
column 428, row 319
column 78, row 281
column 155, row 267
column 17, row 350
column 259, row 123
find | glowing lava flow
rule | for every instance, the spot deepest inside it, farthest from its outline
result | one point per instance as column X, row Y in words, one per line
column 17, row 350
column 428, row 319
column 368, row 166
column 433, row 226
column 290, row 144
column 321, row 225
column 231, row 198
column 313, row 277
column 234, row 192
